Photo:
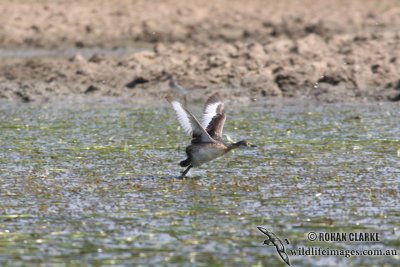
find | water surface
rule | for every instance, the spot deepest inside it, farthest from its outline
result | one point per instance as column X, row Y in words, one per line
column 96, row 185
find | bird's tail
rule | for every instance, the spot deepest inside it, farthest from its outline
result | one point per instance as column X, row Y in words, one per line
column 185, row 163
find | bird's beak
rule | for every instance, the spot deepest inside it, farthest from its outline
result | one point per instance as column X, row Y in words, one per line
column 251, row 145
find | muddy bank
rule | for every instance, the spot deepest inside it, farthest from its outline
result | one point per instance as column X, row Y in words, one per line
column 96, row 23
column 332, row 51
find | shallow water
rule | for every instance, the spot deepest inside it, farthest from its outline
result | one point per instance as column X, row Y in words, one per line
column 86, row 52
column 95, row 185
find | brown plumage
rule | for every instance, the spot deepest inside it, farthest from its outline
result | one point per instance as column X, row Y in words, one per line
column 207, row 142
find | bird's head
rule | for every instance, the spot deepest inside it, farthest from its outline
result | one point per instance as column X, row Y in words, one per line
column 243, row 144
column 171, row 77
column 267, row 242
column 270, row 241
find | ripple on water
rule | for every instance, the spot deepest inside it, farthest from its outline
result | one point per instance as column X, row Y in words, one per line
column 98, row 183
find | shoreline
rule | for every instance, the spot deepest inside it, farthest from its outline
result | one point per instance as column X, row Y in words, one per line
column 330, row 52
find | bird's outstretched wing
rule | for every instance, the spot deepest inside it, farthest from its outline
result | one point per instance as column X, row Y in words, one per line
column 276, row 241
column 214, row 116
column 189, row 123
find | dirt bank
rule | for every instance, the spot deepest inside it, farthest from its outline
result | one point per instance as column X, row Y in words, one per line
column 325, row 50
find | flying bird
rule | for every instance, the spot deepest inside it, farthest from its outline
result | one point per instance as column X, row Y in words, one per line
column 274, row 240
column 207, row 142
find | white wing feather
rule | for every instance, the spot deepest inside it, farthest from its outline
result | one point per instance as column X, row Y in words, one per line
column 189, row 123
column 209, row 113
column 182, row 117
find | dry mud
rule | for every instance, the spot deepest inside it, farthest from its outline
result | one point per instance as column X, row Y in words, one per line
column 329, row 51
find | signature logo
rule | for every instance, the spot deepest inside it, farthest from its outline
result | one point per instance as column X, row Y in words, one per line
column 273, row 240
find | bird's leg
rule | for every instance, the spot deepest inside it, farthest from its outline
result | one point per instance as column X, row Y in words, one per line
column 185, row 171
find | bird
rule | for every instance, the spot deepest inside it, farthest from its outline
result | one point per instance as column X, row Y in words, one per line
column 274, row 240
column 176, row 88
column 207, row 143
